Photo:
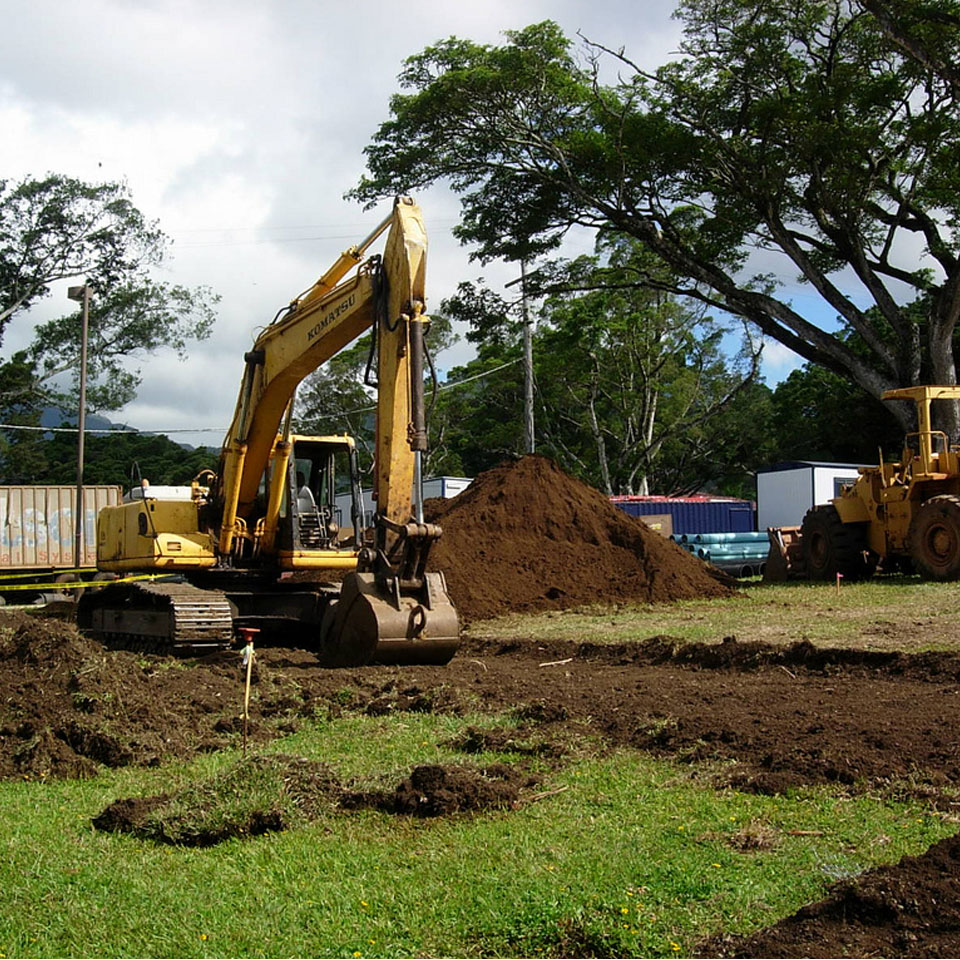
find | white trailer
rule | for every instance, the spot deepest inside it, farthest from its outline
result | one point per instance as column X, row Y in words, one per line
column 786, row 491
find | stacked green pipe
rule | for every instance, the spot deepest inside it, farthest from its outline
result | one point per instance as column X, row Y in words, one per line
column 743, row 553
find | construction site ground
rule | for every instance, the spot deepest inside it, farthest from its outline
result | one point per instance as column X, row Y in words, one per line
column 515, row 729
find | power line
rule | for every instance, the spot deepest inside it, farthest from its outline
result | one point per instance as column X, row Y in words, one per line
column 130, row 430
column 108, row 430
column 443, row 386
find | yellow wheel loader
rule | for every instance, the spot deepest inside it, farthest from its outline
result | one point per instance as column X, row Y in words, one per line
column 258, row 543
column 902, row 515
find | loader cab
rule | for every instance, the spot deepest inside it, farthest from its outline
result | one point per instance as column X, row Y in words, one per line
column 319, row 468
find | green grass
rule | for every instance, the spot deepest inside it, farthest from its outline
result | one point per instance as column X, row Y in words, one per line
column 887, row 613
column 632, row 858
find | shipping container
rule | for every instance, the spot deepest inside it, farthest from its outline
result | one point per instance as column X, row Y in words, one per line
column 690, row 515
column 37, row 532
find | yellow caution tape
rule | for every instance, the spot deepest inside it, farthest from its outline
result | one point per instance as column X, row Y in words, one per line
column 47, row 573
column 80, row 584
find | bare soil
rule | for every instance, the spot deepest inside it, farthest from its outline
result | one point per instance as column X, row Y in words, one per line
column 785, row 717
column 910, row 909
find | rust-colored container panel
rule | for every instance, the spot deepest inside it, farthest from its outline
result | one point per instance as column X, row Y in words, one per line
column 37, row 525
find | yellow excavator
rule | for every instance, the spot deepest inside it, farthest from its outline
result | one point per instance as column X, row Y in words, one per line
column 903, row 514
column 259, row 544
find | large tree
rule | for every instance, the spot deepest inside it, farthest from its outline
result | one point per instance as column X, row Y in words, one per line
column 55, row 229
column 126, row 323
column 794, row 139
column 633, row 380
column 818, row 415
column 58, row 228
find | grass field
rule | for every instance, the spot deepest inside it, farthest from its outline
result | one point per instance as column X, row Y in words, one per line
column 887, row 613
column 626, row 856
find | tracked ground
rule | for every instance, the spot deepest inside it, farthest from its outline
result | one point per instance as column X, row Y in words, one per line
column 781, row 717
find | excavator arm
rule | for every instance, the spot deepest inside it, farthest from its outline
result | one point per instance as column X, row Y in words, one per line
column 387, row 295
column 390, row 609
column 237, row 538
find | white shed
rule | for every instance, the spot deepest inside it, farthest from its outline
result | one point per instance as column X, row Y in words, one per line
column 786, row 491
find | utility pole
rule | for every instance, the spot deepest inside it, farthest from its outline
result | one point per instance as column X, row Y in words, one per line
column 529, row 436
column 81, row 294
column 529, row 433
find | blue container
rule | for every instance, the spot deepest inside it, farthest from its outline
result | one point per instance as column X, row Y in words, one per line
column 692, row 515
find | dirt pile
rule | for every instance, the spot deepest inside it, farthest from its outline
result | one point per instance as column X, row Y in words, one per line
column 525, row 536
column 435, row 790
column 68, row 705
column 909, row 909
column 267, row 794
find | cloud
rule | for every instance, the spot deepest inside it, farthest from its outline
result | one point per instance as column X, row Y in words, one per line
column 778, row 362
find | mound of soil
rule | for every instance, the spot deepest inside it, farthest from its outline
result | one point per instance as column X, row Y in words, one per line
column 525, row 536
column 271, row 793
column 68, row 705
column 909, row 909
column 434, row 790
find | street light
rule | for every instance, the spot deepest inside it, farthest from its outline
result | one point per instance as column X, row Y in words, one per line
column 82, row 295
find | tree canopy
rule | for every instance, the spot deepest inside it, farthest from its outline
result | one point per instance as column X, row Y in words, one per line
column 114, row 458
column 57, row 228
column 632, row 384
column 809, row 140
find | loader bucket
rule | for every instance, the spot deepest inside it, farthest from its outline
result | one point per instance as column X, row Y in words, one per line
column 371, row 624
column 785, row 559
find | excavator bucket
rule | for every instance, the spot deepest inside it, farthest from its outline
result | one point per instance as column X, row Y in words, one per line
column 785, row 559
column 374, row 622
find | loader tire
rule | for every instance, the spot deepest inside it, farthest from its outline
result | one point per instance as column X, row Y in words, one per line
column 831, row 546
column 935, row 539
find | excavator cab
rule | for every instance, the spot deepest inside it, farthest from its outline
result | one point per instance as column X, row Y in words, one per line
column 318, row 470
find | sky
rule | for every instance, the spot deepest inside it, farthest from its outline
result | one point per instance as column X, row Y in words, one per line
column 239, row 126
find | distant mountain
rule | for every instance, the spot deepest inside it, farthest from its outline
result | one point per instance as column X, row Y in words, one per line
column 56, row 417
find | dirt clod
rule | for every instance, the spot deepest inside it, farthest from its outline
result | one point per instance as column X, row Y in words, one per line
column 434, row 790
